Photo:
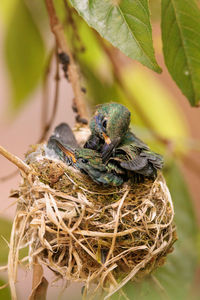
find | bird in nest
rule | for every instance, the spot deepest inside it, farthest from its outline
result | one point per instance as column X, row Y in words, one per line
column 112, row 154
column 111, row 136
column 88, row 161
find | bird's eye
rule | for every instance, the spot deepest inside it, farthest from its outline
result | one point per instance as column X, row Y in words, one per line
column 84, row 161
column 104, row 124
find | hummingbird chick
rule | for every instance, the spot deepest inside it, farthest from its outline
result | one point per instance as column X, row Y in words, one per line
column 110, row 135
column 88, row 161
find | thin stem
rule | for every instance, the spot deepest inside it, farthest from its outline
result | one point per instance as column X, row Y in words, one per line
column 58, row 31
column 15, row 160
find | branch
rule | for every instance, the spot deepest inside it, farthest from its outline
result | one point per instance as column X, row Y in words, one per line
column 58, row 31
column 15, row 160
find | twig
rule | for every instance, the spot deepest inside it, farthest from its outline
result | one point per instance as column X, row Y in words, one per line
column 55, row 105
column 15, row 160
column 58, row 31
column 118, row 77
column 3, row 286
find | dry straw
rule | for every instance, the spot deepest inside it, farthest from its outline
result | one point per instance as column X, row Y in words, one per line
column 86, row 232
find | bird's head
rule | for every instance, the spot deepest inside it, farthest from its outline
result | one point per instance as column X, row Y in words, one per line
column 110, row 122
column 82, row 158
column 87, row 159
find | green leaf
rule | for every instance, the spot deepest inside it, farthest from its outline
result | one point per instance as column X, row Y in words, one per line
column 24, row 52
column 124, row 23
column 181, row 45
column 5, row 230
column 4, row 293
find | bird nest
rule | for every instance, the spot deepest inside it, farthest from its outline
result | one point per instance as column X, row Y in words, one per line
column 88, row 232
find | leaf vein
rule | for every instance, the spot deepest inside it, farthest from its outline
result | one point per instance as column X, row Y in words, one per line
column 136, row 18
column 192, row 30
column 183, row 44
column 137, row 42
column 187, row 15
column 140, row 3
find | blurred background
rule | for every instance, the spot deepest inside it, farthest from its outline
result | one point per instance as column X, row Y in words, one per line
column 161, row 116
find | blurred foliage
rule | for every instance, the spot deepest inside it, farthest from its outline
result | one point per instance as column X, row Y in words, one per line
column 24, row 52
column 198, row 245
column 163, row 113
column 5, row 230
column 4, row 293
column 7, row 10
column 155, row 9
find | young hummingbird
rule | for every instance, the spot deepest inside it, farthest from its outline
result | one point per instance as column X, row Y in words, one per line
column 110, row 124
column 88, row 161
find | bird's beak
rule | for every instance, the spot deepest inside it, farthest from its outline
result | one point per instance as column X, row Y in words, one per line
column 66, row 151
column 108, row 148
column 106, row 139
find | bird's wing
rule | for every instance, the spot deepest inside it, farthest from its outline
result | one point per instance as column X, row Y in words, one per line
column 131, row 139
column 63, row 134
column 93, row 143
column 154, row 158
column 135, row 164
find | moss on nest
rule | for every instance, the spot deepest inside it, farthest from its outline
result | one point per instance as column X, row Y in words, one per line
column 88, row 232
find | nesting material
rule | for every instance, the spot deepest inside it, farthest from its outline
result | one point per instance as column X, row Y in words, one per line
column 87, row 232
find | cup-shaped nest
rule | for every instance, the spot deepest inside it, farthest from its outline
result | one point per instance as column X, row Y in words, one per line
column 88, row 232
